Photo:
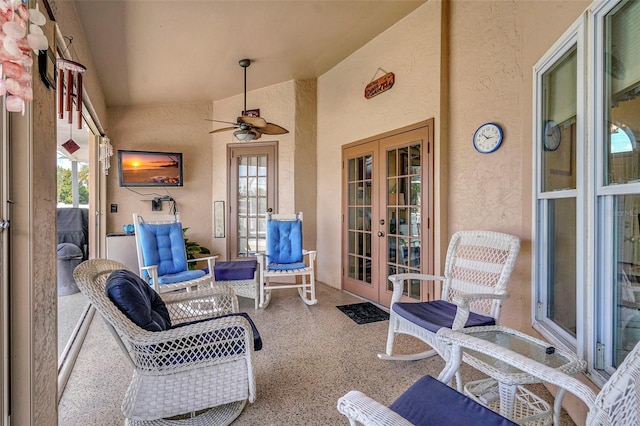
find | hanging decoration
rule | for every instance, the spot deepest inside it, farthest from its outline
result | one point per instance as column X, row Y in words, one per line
column 20, row 35
column 69, row 87
column 382, row 84
column 106, row 151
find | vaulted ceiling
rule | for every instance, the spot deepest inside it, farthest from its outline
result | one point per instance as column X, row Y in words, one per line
column 151, row 52
column 161, row 52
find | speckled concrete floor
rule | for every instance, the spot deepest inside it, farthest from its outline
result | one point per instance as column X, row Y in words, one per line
column 312, row 355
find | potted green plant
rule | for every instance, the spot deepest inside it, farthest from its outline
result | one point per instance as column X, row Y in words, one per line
column 193, row 248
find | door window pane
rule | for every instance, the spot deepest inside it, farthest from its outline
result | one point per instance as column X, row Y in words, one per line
column 404, row 189
column 359, row 214
column 252, row 204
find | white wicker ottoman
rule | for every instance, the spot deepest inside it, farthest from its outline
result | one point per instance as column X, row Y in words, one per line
column 240, row 275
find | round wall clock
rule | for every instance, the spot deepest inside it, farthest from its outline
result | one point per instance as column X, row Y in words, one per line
column 487, row 138
column 551, row 136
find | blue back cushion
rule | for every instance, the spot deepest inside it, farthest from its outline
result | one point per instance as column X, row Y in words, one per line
column 137, row 300
column 284, row 241
column 163, row 245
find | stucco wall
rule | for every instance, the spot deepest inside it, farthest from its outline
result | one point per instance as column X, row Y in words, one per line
column 171, row 128
column 411, row 50
column 491, row 80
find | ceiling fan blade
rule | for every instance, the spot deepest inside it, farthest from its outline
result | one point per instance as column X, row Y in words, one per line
column 254, row 121
column 273, row 129
column 220, row 121
column 224, row 129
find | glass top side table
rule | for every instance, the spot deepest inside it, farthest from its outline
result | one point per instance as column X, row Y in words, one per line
column 507, row 376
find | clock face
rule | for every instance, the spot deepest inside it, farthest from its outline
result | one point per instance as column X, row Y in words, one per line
column 552, row 135
column 487, row 138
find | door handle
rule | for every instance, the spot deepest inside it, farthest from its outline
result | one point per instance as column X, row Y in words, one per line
column 380, row 234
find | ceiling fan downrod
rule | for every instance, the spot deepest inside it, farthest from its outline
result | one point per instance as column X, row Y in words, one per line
column 244, row 63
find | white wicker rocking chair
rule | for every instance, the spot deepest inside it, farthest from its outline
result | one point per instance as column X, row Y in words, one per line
column 162, row 255
column 202, row 365
column 477, row 269
column 285, row 258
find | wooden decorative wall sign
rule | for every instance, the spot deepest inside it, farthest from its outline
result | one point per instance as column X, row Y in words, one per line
column 379, row 85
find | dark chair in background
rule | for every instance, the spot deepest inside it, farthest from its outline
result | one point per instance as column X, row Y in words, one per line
column 73, row 245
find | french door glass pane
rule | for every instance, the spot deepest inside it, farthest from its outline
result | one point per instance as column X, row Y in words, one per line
column 359, row 218
column 252, row 204
column 561, row 263
column 403, row 214
column 626, row 323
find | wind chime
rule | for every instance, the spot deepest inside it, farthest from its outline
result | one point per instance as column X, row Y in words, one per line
column 69, row 78
column 106, row 151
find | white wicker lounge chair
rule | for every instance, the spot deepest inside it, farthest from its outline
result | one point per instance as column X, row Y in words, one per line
column 476, row 273
column 615, row 405
column 199, row 363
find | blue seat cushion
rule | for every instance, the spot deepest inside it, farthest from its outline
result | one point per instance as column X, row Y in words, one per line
column 235, row 270
column 162, row 244
column 181, row 276
column 284, row 241
column 431, row 402
column 437, row 314
column 286, row 266
column 137, row 300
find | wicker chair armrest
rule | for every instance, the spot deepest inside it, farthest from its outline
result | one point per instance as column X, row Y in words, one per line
column 217, row 300
column 534, row 368
column 463, row 301
column 207, row 342
column 356, row 406
column 398, row 283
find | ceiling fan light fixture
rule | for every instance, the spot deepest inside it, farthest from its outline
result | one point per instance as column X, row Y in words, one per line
column 245, row 135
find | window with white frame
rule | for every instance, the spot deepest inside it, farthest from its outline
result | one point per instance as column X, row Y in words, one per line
column 557, row 192
column 587, row 187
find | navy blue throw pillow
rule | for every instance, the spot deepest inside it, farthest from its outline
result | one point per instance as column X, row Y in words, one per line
column 137, row 300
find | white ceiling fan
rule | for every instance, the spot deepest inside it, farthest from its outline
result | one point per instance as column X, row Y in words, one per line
column 247, row 127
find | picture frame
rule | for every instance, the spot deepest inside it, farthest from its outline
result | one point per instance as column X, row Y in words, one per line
column 218, row 219
column 47, row 68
